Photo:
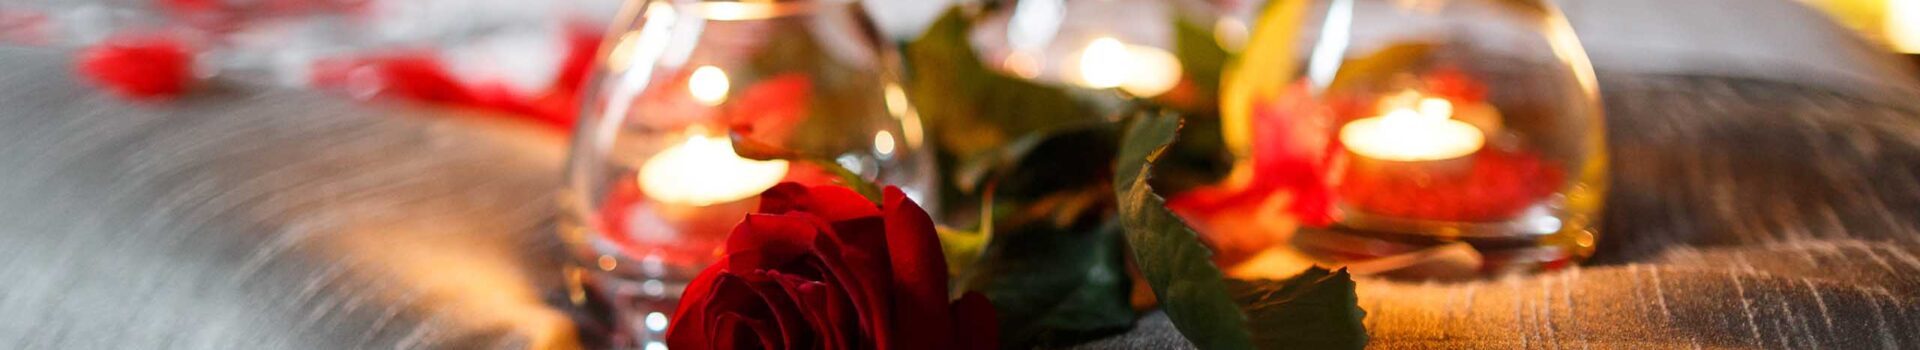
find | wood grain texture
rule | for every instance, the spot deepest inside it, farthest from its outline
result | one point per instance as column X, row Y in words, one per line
column 251, row 219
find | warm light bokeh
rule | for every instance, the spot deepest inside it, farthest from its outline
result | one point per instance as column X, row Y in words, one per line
column 704, row 170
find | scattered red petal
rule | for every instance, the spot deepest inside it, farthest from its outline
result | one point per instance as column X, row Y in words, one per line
column 415, row 76
column 24, row 27
column 139, row 67
column 421, row 76
column 583, row 43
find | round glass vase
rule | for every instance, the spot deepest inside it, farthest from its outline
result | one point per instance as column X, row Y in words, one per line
column 695, row 109
column 1440, row 138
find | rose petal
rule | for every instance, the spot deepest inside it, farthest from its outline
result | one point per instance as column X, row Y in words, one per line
column 795, row 331
column 854, row 252
column 823, row 311
column 737, row 331
column 412, row 75
column 688, row 329
column 831, row 299
column 764, row 241
column 919, row 274
column 837, row 203
column 733, row 295
column 782, row 198
column 830, row 202
column 975, row 326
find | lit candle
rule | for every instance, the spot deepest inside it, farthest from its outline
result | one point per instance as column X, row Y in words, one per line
column 1422, row 130
column 704, row 170
column 1139, row 70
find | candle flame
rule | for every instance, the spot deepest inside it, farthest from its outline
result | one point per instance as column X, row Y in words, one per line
column 1415, row 128
column 704, row 170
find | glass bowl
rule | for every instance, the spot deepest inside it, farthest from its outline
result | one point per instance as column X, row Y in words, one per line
column 1423, row 138
column 697, row 107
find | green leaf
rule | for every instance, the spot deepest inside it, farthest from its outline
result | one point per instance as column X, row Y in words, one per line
column 1055, row 286
column 1178, row 268
column 972, row 109
column 1316, row 310
column 1055, row 268
column 1201, row 60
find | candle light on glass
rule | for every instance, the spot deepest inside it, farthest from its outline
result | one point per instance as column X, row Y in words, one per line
column 1423, row 130
column 1419, row 139
column 704, row 170
column 1139, row 70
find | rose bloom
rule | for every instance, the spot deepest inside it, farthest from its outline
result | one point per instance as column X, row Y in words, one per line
column 824, row 268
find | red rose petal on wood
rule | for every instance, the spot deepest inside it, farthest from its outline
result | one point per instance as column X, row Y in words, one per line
column 583, row 43
column 416, row 76
column 142, row 68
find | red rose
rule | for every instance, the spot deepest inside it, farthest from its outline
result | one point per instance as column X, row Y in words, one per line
column 823, row 268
